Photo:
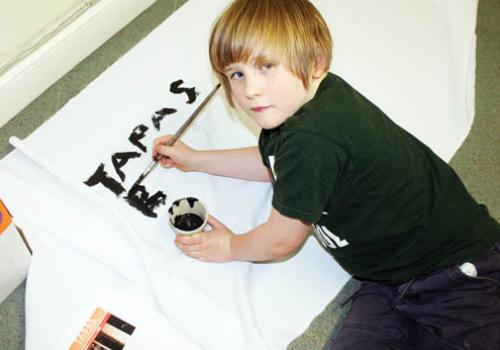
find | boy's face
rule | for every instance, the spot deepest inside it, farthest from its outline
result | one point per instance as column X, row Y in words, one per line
column 270, row 94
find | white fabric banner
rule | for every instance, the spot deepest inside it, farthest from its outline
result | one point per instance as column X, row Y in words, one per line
column 92, row 249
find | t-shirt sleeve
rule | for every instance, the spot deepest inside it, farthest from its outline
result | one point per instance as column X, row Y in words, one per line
column 307, row 168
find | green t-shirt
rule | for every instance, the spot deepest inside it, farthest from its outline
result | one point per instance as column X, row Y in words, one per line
column 380, row 201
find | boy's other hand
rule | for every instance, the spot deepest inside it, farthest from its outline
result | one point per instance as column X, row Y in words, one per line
column 179, row 155
column 211, row 246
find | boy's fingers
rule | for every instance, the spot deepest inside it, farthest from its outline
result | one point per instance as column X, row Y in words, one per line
column 188, row 240
column 162, row 139
column 188, row 250
column 166, row 162
column 159, row 142
column 165, row 151
column 214, row 222
column 193, row 252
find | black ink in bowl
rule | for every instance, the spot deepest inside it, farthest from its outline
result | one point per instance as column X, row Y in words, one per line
column 188, row 222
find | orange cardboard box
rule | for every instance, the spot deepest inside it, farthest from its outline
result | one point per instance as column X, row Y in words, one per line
column 15, row 254
column 103, row 331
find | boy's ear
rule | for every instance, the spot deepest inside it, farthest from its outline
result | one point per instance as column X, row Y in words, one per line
column 319, row 68
column 318, row 73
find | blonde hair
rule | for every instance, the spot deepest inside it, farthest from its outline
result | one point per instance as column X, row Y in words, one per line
column 289, row 32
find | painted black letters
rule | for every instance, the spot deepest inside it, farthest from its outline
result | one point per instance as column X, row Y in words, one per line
column 137, row 134
column 120, row 159
column 190, row 92
column 101, row 176
column 159, row 115
column 138, row 197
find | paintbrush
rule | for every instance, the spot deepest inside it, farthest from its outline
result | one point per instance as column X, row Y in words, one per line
column 177, row 135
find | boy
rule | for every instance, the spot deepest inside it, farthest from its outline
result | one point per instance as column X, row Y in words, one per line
column 383, row 204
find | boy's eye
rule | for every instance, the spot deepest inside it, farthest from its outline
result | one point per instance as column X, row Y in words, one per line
column 236, row 75
column 268, row 65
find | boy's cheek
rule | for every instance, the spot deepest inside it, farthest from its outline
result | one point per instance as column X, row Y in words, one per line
column 238, row 98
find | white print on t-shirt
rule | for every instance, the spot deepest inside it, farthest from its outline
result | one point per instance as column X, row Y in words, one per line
column 271, row 163
column 328, row 238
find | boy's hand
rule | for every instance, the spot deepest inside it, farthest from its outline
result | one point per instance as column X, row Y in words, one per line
column 212, row 246
column 179, row 155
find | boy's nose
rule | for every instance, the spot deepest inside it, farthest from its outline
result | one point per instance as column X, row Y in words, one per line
column 253, row 87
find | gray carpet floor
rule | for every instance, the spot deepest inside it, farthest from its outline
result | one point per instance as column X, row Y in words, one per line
column 477, row 161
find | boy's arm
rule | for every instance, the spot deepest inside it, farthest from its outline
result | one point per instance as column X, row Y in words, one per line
column 242, row 163
column 279, row 237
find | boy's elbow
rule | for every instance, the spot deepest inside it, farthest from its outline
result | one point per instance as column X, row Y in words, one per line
column 283, row 249
column 284, row 239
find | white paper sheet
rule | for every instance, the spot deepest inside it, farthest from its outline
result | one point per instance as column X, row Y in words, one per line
column 405, row 57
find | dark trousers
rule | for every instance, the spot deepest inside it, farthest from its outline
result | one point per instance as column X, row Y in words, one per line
column 451, row 308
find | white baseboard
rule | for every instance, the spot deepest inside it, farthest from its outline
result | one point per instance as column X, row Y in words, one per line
column 29, row 78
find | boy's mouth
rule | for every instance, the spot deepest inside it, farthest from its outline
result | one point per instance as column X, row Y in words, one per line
column 259, row 108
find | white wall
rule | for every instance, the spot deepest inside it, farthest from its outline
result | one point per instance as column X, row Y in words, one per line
column 41, row 40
